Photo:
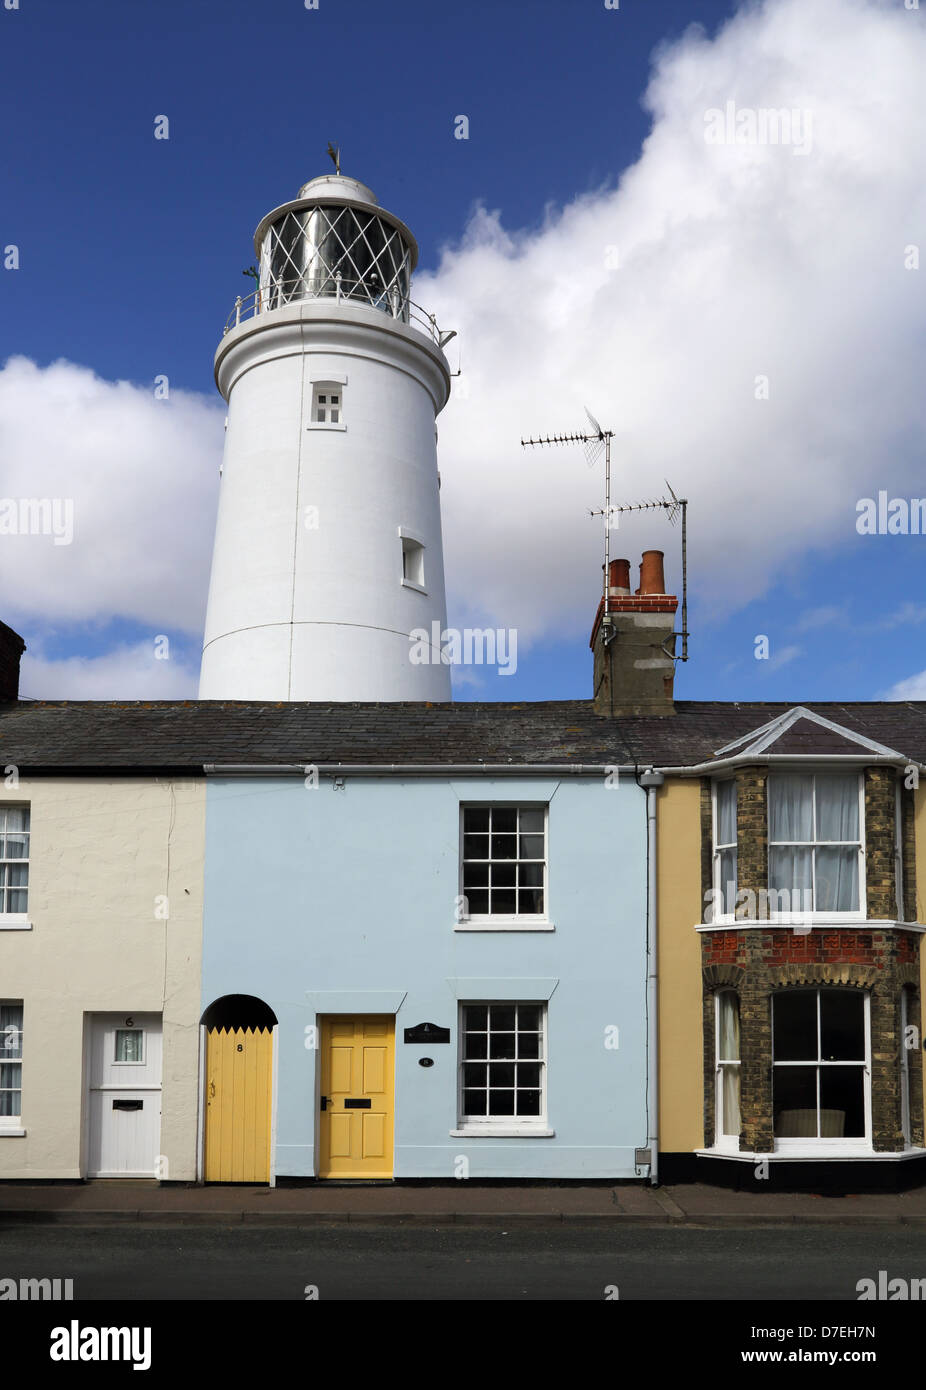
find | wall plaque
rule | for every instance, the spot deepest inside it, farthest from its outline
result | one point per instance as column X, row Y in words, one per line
column 427, row 1033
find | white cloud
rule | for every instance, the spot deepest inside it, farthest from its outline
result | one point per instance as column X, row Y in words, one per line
column 128, row 672
column 827, row 616
column 139, row 476
column 911, row 688
column 782, row 658
column 733, row 262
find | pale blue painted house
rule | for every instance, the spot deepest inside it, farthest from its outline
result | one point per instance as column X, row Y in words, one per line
column 450, row 952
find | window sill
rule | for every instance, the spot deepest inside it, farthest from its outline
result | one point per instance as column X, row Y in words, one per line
column 9, row 922
column 504, row 924
column 323, row 425
column 410, row 584
column 828, row 1154
column 825, row 922
column 8, row 1132
column 511, row 1132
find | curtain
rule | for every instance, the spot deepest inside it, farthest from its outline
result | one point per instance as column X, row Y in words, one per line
column 831, row 872
column 790, row 808
column 727, row 883
column 728, row 1047
column 837, row 808
column 836, row 887
column 726, row 813
column 729, row 1040
column 790, row 870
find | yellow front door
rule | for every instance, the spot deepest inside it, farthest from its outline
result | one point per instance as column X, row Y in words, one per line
column 239, row 1069
column 358, row 1069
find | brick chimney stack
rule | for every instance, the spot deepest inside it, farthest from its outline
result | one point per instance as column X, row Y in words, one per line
column 634, row 672
column 12, row 647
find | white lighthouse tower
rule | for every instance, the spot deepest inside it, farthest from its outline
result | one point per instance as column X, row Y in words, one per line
column 328, row 549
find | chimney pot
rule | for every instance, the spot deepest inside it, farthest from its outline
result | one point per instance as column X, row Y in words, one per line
column 652, row 575
column 619, row 579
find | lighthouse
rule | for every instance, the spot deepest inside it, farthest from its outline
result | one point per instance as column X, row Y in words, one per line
column 327, row 565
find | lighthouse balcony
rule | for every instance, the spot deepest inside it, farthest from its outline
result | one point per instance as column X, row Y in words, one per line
column 389, row 300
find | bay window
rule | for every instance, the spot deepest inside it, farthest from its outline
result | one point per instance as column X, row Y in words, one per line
column 727, row 1105
column 815, row 842
column 725, row 844
column 821, row 1065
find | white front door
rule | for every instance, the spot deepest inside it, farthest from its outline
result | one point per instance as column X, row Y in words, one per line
column 124, row 1096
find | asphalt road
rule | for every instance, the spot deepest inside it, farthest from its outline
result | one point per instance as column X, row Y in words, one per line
column 440, row 1263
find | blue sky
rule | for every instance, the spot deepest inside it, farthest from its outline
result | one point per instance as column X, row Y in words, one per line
column 131, row 251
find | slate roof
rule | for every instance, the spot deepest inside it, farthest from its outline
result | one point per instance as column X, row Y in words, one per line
column 185, row 735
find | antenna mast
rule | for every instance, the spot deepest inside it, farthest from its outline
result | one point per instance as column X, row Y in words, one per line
column 672, row 505
column 593, row 446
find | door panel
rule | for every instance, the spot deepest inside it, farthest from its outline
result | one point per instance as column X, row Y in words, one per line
column 239, row 1069
column 124, row 1095
column 357, row 1064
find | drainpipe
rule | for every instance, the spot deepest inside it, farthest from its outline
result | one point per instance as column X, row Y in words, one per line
column 651, row 780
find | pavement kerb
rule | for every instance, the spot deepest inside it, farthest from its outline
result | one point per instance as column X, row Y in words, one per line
column 521, row 1220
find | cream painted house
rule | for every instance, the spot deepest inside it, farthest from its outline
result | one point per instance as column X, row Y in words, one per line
column 101, row 875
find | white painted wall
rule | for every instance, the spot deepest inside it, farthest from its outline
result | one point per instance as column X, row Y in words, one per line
column 299, row 611
column 103, row 851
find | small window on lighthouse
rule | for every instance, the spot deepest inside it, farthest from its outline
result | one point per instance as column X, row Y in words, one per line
column 326, row 407
column 412, row 562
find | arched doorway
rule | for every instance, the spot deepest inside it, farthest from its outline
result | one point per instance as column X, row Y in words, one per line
column 239, row 1089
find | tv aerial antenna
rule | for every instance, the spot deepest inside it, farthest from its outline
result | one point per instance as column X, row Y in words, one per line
column 595, row 442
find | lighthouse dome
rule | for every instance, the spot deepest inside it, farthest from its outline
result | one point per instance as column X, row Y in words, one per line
column 339, row 188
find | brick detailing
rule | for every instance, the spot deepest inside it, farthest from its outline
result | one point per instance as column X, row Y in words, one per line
column 908, row 845
column 752, row 829
column 759, row 962
column 880, row 866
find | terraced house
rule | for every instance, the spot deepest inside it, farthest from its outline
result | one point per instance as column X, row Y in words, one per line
column 791, row 906
column 100, row 940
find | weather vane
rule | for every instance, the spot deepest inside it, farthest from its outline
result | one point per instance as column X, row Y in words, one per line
column 335, row 154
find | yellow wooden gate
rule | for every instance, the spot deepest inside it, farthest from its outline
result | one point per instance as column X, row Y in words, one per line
column 239, row 1070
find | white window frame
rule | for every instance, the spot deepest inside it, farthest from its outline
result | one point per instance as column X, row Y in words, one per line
column 13, row 1123
column 718, row 886
column 16, row 921
column 818, row 915
column 503, row 1126
column 325, row 386
column 828, row 1145
column 481, row 921
column 406, row 539
column 725, row 1143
